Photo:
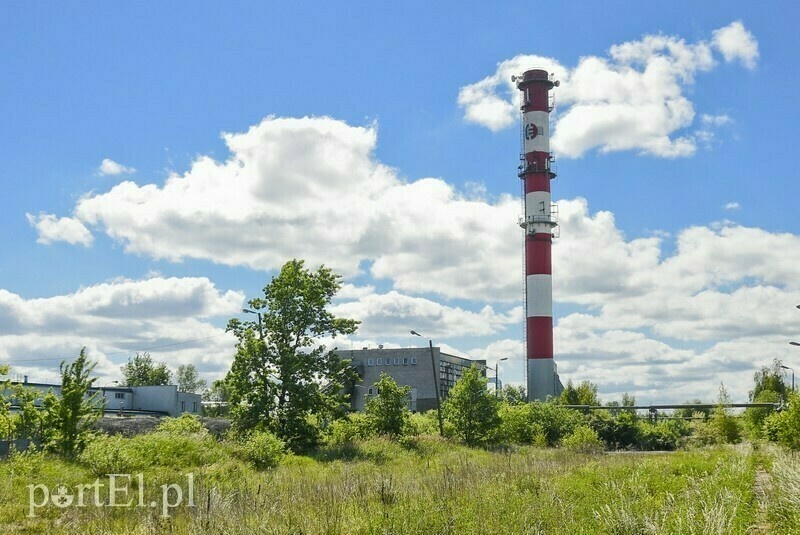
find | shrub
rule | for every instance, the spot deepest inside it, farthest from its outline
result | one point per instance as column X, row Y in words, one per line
column 784, row 426
column 537, row 423
column 263, row 449
column 185, row 424
column 110, row 455
column 664, row 435
column 354, row 427
column 583, row 439
column 423, row 423
column 618, row 432
column 756, row 416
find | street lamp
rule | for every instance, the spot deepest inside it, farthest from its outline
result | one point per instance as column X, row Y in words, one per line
column 790, row 368
column 260, row 331
column 435, row 383
column 497, row 375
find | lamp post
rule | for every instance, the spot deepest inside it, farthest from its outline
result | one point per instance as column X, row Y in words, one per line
column 260, row 330
column 497, row 375
column 435, row 383
column 792, row 369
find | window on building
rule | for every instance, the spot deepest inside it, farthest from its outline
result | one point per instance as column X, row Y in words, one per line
column 405, row 361
column 183, row 405
column 388, row 361
column 370, row 362
column 194, row 406
column 413, row 360
column 380, row 362
column 370, row 391
column 396, row 361
column 119, row 395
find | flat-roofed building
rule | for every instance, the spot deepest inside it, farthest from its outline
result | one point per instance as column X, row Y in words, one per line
column 409, row 366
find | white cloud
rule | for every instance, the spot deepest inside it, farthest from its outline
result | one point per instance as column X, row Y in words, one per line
column 716, row 120
column 394, row 314
column 52, row 229
column 310, row 188
column 494, row 101
column 631, row 100
column 110, row 167
column 732, row 206
column 735, row 42
column 115, row 319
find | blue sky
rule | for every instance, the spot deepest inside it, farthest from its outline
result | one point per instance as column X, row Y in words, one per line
column 377, row 139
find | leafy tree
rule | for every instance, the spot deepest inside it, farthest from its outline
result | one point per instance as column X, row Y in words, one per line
column 620, row 431
column 188, row 379
column 755, row 416
column 284, row 380
column 29, row 423
column 6, row 424
column 690, row 412
column 583, row 394
column 142, row 371
column 769, row 378
column 471, row 408
column 514, row 395
column 784, row 426
column 70, row 416
column 387, row 413
column 218, row 393
column 537, row 423
column 724, row 424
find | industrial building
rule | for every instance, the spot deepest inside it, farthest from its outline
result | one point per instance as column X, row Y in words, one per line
column 162, row 400
column 410, row 366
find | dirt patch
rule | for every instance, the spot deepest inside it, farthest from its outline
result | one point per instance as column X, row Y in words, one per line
column 761, row 488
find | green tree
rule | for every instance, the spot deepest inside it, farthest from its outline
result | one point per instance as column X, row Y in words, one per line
column 755, row 416
column 784, row 426
column 286, row 379
column 70, row 417
column 188, row 379
column 583, row 394
column 769, row 378
column 691, row 412
column 471, row 408
column 387, row 413
column 29, row 423
column 725, row 425
column 6, row 423
column 142, row 371
column 514, row 395
column 220, row 396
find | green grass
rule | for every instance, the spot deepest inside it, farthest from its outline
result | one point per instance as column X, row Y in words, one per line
column 426, row 485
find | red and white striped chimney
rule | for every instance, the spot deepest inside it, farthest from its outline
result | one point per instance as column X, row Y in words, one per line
column 539, row 222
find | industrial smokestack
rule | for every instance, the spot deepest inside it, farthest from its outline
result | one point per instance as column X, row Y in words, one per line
column 539, row 222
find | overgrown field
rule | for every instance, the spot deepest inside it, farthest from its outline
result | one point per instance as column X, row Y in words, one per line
column 424, row 485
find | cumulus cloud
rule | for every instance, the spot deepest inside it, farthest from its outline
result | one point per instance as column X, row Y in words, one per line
column 110, row 167
column 115, row 319
column 52, row 229
column 310, row 188
column 732, row 206
column 735, row 42
column 671, row 327
column 633, row 99
column 396, row 314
